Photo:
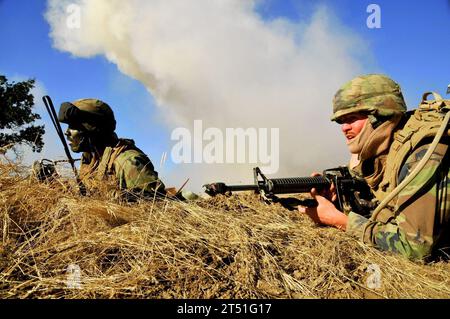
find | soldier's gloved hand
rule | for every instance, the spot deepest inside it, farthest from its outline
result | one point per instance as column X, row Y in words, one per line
column 328, row 193
column 214, row 189
column 43, row 170
column 325, row 212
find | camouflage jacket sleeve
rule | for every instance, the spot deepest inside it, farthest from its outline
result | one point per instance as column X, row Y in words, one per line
column 135, row 172
column 418, row 223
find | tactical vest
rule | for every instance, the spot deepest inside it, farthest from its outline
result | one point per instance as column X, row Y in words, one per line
column 422, row 124
column 106, row 166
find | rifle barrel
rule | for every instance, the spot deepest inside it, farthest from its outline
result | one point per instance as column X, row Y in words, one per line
column 238, row 188
column 297, row 184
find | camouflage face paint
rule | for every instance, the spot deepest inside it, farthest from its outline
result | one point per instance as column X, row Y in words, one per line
column 78, row 140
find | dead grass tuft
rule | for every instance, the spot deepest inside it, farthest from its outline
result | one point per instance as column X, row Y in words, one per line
column 234, row 247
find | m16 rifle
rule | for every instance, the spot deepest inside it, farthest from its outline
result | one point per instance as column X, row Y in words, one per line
column 351, row 193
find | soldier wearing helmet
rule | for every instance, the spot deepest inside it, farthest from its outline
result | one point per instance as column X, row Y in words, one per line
column 373, row 118
column 91, row 126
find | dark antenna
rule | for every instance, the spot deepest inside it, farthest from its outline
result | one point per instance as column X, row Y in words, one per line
column 51, row 111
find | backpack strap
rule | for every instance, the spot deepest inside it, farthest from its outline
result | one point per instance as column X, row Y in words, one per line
column 438, row 103
column 437, row 97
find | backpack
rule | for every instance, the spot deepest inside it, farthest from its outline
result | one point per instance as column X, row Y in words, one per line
column 423, row 123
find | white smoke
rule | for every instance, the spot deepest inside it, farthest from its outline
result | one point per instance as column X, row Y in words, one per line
column 219, row 61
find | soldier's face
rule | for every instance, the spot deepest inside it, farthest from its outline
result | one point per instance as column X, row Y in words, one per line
column 78, row 140
column 352, row 125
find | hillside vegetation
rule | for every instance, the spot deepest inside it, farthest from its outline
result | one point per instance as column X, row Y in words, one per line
column 57, row 244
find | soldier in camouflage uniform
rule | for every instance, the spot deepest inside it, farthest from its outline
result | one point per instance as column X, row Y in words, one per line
column 104, row 155
column 373, row 118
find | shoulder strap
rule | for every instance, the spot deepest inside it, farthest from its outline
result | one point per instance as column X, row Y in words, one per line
column 110, row 154
column 103, row 166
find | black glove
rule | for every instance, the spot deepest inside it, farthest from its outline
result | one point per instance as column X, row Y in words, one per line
column 44, row 170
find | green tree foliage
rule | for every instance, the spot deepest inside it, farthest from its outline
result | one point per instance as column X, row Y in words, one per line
column 16, row 116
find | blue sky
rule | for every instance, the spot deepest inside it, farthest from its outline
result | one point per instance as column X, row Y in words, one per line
column 412, row 46
column 27, row 53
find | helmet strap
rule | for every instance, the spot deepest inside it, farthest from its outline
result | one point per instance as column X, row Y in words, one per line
column 374, row 121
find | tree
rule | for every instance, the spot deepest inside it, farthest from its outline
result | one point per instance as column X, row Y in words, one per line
column 16, row 103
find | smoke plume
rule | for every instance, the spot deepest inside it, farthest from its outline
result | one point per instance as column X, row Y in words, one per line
column 219, row 61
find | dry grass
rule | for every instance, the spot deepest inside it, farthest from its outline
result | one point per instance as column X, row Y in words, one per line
column 233, row 247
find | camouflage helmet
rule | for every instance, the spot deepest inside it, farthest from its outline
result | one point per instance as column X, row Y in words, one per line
column 92, row 115
column 374, row 94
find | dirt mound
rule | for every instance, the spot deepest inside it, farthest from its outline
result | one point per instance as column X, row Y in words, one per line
column 56, row 243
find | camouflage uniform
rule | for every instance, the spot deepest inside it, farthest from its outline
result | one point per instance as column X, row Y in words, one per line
column 120, row 161
column 126, row 166
column 416, row 223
